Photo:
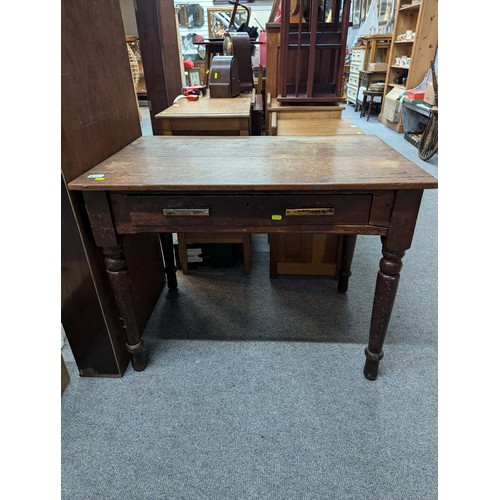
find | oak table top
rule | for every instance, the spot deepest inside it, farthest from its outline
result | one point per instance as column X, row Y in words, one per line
column 205, row 107
column 255, row 163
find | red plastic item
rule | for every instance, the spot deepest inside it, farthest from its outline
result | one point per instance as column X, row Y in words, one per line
column 416, row 95
column 188, row 64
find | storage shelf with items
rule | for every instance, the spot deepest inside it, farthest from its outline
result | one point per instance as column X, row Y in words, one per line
column 369, row 64
column 137, row 68
column 414, row 44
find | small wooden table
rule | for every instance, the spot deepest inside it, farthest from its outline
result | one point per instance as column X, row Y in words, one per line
column 371, row 95
column 347, row 185
column 208, row 116
column 316, row 127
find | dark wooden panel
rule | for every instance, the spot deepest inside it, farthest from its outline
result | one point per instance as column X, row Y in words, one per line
column 99, row 112
column 160, row 55
column 82, row 312
column 98, row 118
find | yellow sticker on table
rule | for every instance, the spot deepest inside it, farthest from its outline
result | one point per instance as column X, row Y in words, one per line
column 276, row 217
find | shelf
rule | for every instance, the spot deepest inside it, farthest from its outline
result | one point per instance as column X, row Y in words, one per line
column 414, row 6
column 404, row 41
column 396, row 85
column 399, row 67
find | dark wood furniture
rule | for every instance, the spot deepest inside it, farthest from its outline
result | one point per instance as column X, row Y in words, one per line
column 208, row 116
column 312, row 50
column 258, row 185
column 368, row 102
column 98, row 118
column 156, row 24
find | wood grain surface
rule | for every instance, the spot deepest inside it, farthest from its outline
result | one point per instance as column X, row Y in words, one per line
column 255, row 164
column 206, row 106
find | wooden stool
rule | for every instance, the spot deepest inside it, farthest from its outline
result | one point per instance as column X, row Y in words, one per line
column 371, row 94
column 185, row 239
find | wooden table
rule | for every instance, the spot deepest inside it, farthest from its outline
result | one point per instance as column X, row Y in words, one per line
column 315, row 127
column 346, row 185
column 277, row 111
column 208, row 116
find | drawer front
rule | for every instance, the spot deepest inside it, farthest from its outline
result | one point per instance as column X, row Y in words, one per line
column 354, row 80
column 358, row 55
column 351, row 93
column 134, row 213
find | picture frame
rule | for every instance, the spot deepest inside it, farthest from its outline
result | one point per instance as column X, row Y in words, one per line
column 355, row 11
column 385, row 12
column 190, row 15
column 363, row 9
column 194, row 76
column 218, row 20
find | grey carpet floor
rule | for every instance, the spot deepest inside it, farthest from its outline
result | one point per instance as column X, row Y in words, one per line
column 255, row 390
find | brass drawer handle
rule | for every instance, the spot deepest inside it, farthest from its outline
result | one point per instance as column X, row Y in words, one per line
column 309, row 211
column 197, row 212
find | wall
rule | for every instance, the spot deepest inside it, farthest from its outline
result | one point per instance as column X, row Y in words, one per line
column 128, row 16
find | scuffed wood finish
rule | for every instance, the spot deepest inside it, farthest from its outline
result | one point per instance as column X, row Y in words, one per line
column 208, row 116
column 256, row 164
column 207, row 107
column 315, row 127
column 394, row 246
column 346, row 185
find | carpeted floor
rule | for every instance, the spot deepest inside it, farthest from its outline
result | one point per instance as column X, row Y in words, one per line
column 255, row 388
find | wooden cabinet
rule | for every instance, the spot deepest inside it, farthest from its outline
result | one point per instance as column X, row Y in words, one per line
column 414, row 44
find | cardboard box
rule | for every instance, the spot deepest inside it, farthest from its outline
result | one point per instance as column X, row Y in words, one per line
column 376, row 67
column 392, row 105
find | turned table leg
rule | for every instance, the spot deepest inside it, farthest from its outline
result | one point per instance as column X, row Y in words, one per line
column 348, row 245
column 385, row 294
column 117, row 271
column 167, row 246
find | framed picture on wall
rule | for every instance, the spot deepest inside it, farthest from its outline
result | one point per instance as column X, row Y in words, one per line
column 363, row 9
column 355, row 6
column 385, row 11
column 219, row 18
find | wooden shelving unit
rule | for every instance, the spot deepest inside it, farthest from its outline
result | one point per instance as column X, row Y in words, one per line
column 421, row 18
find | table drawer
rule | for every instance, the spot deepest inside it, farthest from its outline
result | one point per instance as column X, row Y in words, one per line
column 134, row 213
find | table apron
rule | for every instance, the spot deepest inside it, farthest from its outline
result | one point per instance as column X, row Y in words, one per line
column 353, row 213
